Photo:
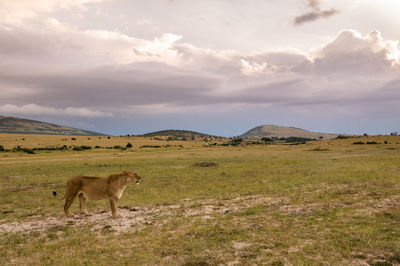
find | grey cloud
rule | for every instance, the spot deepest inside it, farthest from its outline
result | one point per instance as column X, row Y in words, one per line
column 314, row 15
column 134, row 84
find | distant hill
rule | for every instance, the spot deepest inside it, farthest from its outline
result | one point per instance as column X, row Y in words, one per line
column 176, row 133
column 284, row 132
column 16, row 125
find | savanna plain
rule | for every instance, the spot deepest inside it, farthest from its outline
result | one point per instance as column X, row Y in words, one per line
column 329, row 202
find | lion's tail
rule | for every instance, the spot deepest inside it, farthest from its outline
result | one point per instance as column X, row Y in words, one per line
column 55, row 196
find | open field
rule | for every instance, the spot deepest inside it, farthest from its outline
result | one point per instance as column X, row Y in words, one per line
column 326, row 202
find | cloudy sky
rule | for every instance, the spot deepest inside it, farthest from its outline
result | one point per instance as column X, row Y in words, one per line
column 214, row 66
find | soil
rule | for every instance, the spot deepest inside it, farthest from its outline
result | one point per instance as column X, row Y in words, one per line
column 136, row 218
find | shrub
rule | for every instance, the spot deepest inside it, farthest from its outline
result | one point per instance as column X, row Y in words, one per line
column 358, row 142
column 86, row 147
column 73, row 138
column 81, row 148
column 235, row 141
column 265, row 139
column 1, row 148
column 129, row 145
column 152, row 146
column 28, row 151
column 296, row 139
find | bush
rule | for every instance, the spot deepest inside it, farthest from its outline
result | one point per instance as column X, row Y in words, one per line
column 73, row 138
column 1, row 148
column 86, row 147
column 28, row 151
column 129, row 145
column 265, row 139
column 358, row 142
column 297, row 139
column 81, row 148
column 235, row 141
column 152, row 146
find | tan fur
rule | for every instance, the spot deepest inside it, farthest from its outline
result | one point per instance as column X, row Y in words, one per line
column 98, row 188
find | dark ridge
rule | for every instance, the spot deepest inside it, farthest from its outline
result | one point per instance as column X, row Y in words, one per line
column 15, row 125
column 175, row 133
column 284, row 132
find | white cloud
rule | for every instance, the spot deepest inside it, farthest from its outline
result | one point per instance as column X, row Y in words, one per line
column 33, row 109
column 351, row 53
column 254, row 68
column 14, row 12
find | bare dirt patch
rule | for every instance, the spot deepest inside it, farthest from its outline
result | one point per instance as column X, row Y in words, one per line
column 136, row 218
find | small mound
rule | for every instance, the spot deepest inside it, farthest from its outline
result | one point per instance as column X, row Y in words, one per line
column 205, row 164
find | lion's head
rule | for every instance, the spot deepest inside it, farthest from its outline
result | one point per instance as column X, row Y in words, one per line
column 132, row 177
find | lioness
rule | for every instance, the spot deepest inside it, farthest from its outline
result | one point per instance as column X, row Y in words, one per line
column 97, row 188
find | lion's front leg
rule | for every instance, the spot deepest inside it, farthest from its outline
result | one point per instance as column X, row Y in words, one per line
column 114, row 207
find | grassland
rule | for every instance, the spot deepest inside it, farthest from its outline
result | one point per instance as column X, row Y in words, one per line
column 325, row 202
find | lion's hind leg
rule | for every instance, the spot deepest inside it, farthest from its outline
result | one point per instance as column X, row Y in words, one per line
column 82, row 201
column 70, row 196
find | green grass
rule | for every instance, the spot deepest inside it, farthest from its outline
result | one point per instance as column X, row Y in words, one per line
column 327, row 202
